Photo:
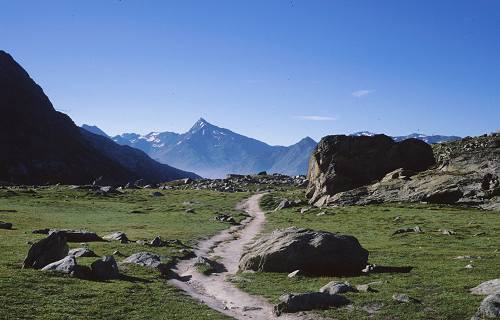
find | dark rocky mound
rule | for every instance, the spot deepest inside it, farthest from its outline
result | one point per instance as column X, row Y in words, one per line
column 342, row 163
column 466, row 172
column 40, row 145
column 312, row 252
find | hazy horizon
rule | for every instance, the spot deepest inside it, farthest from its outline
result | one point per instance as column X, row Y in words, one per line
column 275, row 71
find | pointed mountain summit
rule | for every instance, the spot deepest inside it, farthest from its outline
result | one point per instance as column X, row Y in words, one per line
column 213, row 151
column 41, row 145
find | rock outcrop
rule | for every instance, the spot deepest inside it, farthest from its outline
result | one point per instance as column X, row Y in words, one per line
column 340, row 163
column 466, row 172
column 312, row 252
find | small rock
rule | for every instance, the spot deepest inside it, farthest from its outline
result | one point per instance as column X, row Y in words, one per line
column 190, row 210
column 145, row 259
column 404, row 298
column 334, row 287
column 157, row 194
column 117, row 236
column 295, row 274
column 469, row 266
column 157, row 242
column 319, row 214
column 5, row 225
column 447, row 232
column 304, row 210
column 397, row 219
column 365, row 288
column 117, row 253
column 294, row 302
column 81, row 252
column 415, row 229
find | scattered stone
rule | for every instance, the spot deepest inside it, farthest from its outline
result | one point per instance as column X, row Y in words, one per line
column 46, row 251
column 66, row 265
column 313, row 252
column 489, row 308
column 295, row 274
column 81, row 252
column 295, row 302
column 335, row 287
column 447, row 232
column 404, row 298
column 5, row 225
column 304, row 210
column 117, row 253
column 157, row 242
column 225, row 218
column 190, row 210
column 487, row 287
column 415, row 229
column 105, row 268
column 469, row 266
column 365, row 288
column 157, row 194
column 145, row 259
column 117, row 236
column 397, row 219
column 319, row 214
column 372, row 307
column 211, row 265
column 284, row 204
column 141, row 242
column 373, row 268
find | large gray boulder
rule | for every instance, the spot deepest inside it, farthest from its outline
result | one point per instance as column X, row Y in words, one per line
column 489, row 308
column 105, row 268
column 117, row 236
column 46, row 251
column 313, row 252
column 340, row 163
column 295, row 302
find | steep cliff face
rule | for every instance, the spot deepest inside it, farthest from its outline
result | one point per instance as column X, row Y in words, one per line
column 342, row 163
column 466, row 172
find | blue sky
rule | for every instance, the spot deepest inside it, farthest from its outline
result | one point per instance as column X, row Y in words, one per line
column 274, row 70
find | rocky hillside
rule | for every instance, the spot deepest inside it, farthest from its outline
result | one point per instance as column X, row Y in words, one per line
column 40, row 145
column 465, row 172
column 213, row 152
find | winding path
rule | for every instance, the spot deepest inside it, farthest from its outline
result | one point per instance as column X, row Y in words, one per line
column 215, row 290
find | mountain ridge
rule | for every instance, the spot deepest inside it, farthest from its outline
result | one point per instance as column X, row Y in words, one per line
column 41, row 145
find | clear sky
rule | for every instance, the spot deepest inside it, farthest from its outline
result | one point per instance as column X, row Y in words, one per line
column 273, row 70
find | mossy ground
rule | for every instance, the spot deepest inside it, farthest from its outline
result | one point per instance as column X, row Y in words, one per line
column 142, row 293
column 439, row 280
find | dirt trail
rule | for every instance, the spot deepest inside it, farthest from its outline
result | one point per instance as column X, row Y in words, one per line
column 215, row 290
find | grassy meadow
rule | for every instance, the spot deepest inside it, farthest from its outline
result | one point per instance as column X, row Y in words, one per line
column 438, row 279
column 142, row 293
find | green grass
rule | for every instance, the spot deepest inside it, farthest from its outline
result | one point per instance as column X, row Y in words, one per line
column 438, row 280
column 32, row 294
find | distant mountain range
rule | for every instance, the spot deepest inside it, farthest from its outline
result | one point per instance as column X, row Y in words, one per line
column 213, row 152
column 41, row 145
column 432, row 139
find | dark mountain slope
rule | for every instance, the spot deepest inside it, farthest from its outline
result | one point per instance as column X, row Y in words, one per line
column 40, row 145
